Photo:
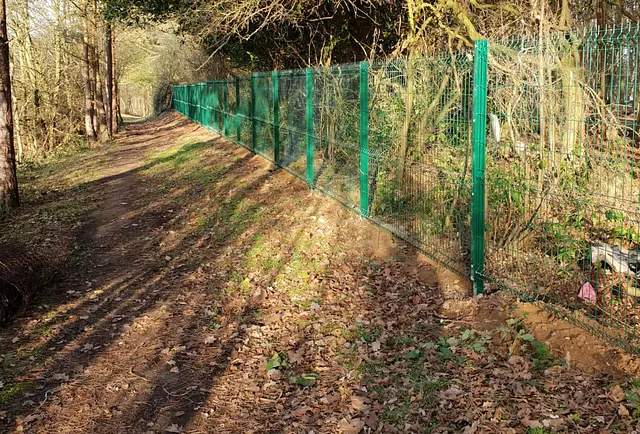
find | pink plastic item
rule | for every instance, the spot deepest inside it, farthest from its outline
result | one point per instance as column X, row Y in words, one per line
column 587, row 293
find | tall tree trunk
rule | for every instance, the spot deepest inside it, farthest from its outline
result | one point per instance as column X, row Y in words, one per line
column 57, row 80
column 603, row 78
column 101, row 124
column 86, row 74
column 115, row 97
column 109, row 106
column 8, row 177
column 408, row 111
column 116, row 101
column 573, row 96
column 26, row 61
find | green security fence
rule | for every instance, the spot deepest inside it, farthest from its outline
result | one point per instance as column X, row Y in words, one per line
column 515, row 163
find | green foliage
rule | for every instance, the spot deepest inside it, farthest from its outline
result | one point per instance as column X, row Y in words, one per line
column 152, row 60
column 508, row 190
column 561, row 242
column 304, row 380
column 633, row 396
column 364, row 335
column 390, row 199
column 9, row 391
column 413, row 354
column 468, row 339
column 324, row 29
column 614, row 216
column 542, row 357
column 278, row 361
column 539, row 431
column 138, row 12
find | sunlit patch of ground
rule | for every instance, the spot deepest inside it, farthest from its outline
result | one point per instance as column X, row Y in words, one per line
column 203, row 292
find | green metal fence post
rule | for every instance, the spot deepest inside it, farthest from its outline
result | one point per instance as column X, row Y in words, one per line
column 216, row 106
column 238, row 121
column 478, row 167
column 364, row 139
column 276, row 120
column 309, row 122
column 200, row 106
column 225, row 108
column 254, row 131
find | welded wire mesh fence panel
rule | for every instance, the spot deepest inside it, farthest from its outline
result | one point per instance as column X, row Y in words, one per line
column 188, row 104
column 198, row 102
column 292, row 121
column 563, row 190
column 244, row 122
column 192, row 102
column 228, row 108
column 195, row 98
column 207, row 116
column 218, row 104
column 393, row 140
column 336, row 117
column 420, row 155
column 177, row 99
column 263, row 115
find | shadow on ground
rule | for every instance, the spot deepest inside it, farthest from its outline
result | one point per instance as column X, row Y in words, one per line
column 206, row 293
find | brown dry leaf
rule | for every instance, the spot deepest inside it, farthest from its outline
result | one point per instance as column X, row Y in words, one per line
column 301, row 411
column 554, row 370
column 358, row 402
column 531, row 423
column 296, row 356
column 616, row 393
column 372, row 421
column 553, row 422
column 330, row 398
column 174, row 428
column 471, row 429
column 60, row 377
column 353, row 426
column 622, row 411
column 451, row 394
column 31, row 417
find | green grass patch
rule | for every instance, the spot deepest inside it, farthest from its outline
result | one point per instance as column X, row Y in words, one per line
column 10, row 391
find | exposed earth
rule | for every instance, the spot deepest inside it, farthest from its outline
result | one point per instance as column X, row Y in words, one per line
column 201, row 291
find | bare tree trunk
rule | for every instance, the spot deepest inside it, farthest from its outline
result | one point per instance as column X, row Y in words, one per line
column 27, row 64
column 101, row 124
column 603, row 77
column 57, row 81
column 86, row 75
column 8, row 178
column 115, row 97
column 16, row 120
column 116, row 101
column 637, row 101
column 573, row 97
column 109, row 106
column 408, row 111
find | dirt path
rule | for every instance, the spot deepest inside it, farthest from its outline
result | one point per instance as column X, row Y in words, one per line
column 204, row 292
